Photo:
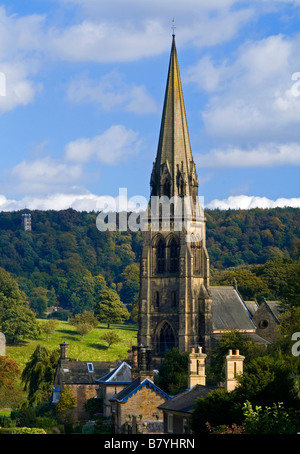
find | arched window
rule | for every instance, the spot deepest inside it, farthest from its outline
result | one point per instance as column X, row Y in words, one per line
column 174, row 256
column 160, row 256
column 166, row 338
column 167, row 188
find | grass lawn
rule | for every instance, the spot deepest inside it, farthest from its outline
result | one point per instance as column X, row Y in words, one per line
column 91, row 348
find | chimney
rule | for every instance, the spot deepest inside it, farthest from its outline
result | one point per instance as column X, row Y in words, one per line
column 64, row 350
column 233, row 368
column 197, row 368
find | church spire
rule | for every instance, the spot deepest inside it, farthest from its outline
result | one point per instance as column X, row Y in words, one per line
column 174, row 169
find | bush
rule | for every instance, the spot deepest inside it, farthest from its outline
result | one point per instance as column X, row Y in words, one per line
column 94, row 405
column 22, row 430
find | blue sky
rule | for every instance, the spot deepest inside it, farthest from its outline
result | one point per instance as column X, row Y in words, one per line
column 81, row 92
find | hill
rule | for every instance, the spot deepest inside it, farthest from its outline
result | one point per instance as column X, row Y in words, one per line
column 66, row 260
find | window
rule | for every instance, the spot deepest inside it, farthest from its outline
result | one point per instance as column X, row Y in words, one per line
column 173, row 299
column 174, row 256
column 166, row 338
column 157, row 299
column 160, row 251
column 90, row 367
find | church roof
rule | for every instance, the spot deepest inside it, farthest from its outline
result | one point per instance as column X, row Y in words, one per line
column 229, row 311
column 274, row 308
column 252, row 307
column 119, row 375
column 174, row 156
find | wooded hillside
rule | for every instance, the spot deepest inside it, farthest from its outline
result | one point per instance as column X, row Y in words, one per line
column 65, row 260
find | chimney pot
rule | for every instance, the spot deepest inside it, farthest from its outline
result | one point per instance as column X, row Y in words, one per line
column 230, row 352
column 237, row 352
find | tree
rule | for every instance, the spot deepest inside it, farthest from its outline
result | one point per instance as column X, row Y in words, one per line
column 173, row 374
column 50, row 326
column 67, row 402
column 10, row 372
column 84, row 323
column 266, row 380
column 38, row 374
column 110, row 309
column 20, row 322
column 217, row 408
column 111, row 337
column 232, row 340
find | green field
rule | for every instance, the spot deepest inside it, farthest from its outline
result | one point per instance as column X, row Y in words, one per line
column 91, row 348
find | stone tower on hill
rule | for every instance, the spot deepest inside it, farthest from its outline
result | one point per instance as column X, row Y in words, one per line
column 175, row 304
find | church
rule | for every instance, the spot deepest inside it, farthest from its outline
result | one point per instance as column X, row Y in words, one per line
column 177, row 305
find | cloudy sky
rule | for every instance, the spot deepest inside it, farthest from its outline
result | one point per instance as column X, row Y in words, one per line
column 82, row 85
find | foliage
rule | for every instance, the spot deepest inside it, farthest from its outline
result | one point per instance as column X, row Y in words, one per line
column 173, row 374
column 94, row 406
column 217, row 408
column 233, row 340
column 111, row 337
column 50, row 326
column 65, row 254
column 110, row 309
column 67, row 401
column 84, row 323
column 270, row 420
column 266, row 380
column 38, row 374
column 9, row 374
column 22, row 430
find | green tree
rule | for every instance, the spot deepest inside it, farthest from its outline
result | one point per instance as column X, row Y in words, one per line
column 20, row 322
column 38, row 374
column 233, row 340
column 110, row 309
column 50, row 326
column 111, row 337
column 173, row 374
column 266, row 380
column 217, row 408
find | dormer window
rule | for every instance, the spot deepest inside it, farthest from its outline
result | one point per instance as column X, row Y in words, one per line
column 90, row 367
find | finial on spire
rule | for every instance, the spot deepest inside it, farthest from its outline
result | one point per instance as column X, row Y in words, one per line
column 173, row 27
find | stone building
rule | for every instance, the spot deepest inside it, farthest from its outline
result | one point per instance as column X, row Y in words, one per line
column 177, row 305
column 80, row 377
column 178, row 410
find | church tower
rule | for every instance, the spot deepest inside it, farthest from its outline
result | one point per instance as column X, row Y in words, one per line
column 175, row 303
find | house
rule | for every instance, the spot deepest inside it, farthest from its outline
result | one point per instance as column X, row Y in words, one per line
column 178, row 410
column 136, row 409
column 80, row 377
column 112, row 383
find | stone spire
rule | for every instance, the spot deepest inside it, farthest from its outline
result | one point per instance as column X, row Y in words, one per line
column 174, row 170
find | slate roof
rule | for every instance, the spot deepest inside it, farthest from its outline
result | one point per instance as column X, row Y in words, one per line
column 252, row 307
column 274, row 307
column 229, row 311
column 251, row 336
column 134, row 387
column 77, row 372
column 119, row 375
column 185, row 401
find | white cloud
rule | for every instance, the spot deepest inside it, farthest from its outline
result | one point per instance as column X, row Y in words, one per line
column 253, row 97
column 266, row 155
column 245, row 202
column 112, row 147
column 111, row 92
column 78, row 201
